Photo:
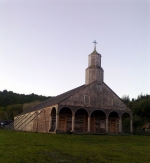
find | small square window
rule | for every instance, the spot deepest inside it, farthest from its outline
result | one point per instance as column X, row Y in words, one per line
column 99, row 87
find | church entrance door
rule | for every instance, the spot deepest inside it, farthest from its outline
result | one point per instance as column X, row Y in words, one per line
column 112, row 126
column 62, row 123
column 113, row 122
column 81, row 121
column 98, row 122
column 65, row 120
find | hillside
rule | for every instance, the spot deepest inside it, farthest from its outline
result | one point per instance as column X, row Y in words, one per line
column 12, row 104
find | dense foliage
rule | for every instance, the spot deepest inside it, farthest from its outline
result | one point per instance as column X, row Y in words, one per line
column 12, row 104
column 140, row 108
column 9, row 98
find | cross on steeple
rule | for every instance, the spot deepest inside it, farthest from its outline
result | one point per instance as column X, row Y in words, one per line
column 95, row 44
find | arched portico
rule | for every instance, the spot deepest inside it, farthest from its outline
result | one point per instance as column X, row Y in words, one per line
column 98, row 122
column 65, row 120
column 114, row 122
column 81, row 121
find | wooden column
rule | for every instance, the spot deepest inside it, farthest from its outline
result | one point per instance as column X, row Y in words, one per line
column 89, row 125
column 120, row 125
column 50, row 122
column 73, row 120
column 131, row 125
column 106, row 125
column 57, row 122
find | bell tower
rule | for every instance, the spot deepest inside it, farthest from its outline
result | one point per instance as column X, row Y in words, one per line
column 94, row 72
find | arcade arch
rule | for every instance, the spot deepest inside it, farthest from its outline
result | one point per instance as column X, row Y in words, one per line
column 65, row 120
column 113, row 122
column 81, row 121
column 98, row 122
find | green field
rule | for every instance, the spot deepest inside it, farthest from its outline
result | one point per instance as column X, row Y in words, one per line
column 23, row 147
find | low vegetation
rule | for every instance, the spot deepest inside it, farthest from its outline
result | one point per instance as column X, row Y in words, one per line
column 24, row 147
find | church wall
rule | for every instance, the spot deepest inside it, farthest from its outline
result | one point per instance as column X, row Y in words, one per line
column 17, row 120
column 47, row 118
column 37, row 121
column 24, row 122
column 43, row 120
column 28, row 123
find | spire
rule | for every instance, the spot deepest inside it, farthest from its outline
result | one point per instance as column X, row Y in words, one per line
column 94, row 72
column 95, row 46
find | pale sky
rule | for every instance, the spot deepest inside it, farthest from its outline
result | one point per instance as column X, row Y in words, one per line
column 44, row 44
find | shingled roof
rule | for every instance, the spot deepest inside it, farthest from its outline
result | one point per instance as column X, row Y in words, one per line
column 55, row 100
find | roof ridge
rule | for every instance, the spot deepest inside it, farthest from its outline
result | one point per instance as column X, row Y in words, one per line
column 53, row 100
column 56, row 100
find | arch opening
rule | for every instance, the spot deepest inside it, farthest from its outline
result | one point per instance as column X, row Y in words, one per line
column 65, row 120
column 98, row 122
column 113, row 122
column 81, row 120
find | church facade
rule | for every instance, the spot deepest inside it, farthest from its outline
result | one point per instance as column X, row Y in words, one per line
column 91, row 108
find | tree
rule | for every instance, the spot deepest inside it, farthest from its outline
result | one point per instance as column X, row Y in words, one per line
column 125, row 99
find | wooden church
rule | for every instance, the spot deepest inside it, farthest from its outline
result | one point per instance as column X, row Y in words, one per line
column 90, row 108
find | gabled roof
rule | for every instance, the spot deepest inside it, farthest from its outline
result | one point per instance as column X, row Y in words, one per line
column 61, row 97
column 55, row 100
column 116, row 95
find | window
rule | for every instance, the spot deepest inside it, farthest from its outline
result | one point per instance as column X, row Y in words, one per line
column 99, row 87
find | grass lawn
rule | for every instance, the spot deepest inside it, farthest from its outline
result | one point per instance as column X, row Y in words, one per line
column 24, row 147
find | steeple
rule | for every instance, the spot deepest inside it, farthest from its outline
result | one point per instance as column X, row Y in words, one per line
column 94, row 72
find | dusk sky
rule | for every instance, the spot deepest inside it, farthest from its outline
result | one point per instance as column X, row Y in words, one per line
column 44, row 44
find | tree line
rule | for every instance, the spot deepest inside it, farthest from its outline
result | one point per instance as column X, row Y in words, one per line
column 12, row 104
column 140, row 108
